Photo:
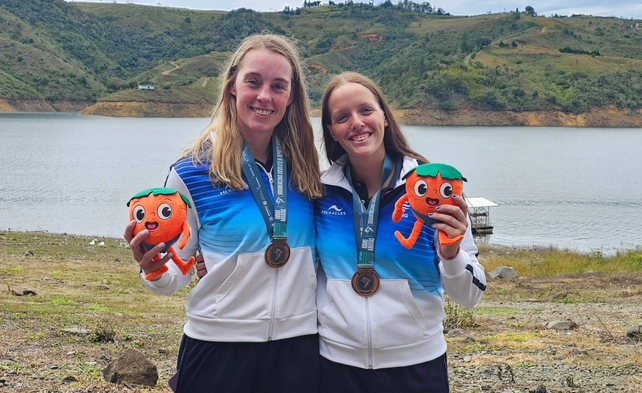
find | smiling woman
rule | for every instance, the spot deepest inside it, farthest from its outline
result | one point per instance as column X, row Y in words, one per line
column 381, row 308
column 250, row 179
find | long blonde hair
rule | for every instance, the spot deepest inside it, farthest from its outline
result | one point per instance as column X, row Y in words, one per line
column 221, row 143
column 393, row 140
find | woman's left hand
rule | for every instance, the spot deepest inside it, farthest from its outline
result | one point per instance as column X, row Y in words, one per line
column 201, row 269
column 453, row 223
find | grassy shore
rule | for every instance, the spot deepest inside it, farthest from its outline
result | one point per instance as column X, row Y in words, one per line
column 97, row 288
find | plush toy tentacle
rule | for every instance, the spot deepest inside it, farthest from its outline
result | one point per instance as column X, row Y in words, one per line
column 158, row 272
column 398, row 213
column 184, row 266
column 414, row 235
column 186, row 232
column 446, row 241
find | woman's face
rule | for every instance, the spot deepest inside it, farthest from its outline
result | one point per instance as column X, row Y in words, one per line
column 263, row 91
column 357, row 121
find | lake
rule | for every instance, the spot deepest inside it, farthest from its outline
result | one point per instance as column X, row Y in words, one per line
column 577, row 188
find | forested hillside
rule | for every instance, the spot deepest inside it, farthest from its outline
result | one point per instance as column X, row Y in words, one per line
column 58, row 51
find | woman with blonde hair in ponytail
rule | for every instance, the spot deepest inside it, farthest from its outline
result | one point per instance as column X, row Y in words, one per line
column 250, row 178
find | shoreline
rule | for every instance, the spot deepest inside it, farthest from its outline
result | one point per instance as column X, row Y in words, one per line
column 610, row 117
column 496, row 247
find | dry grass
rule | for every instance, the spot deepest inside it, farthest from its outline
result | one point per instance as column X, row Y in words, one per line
column 552, row 261
column 82, row 286
column 503, row 343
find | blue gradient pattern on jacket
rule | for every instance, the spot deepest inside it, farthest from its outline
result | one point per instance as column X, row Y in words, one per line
column 337, row 248
column 225, row 230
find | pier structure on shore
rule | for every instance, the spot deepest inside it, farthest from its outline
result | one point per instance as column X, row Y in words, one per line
column 479, row 211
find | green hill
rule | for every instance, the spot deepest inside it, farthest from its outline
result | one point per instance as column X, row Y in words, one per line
column 58, row 51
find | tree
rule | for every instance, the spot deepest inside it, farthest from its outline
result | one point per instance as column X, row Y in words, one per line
column 530, row 10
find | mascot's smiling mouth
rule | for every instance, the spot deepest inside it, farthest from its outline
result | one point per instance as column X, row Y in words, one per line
column 432, row 202
column 151, row 225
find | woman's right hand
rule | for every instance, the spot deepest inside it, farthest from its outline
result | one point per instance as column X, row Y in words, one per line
column 201, row 269
column 141, row 255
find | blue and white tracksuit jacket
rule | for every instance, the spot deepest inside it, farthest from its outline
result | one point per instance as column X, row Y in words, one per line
column 401, row 324
column 242, row 299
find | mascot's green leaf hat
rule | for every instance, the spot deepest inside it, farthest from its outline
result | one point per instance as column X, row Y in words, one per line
column 431, row 170
column 160, row 191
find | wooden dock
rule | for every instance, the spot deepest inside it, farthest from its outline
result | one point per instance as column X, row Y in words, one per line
column 479, row 211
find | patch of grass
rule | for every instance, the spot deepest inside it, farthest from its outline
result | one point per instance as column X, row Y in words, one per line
column 62, row 300
column 38, row 336
column 103, row 333
column 496, row 311
column 457, row 316
column 551, row 261
column 584, row 298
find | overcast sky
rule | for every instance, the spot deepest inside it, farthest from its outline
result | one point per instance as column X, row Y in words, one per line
column 619, row 8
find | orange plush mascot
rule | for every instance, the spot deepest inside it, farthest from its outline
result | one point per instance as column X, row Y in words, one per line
column 163, row 212
column 427, row 187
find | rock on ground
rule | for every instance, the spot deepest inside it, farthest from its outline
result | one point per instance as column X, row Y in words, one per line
column 132, row 368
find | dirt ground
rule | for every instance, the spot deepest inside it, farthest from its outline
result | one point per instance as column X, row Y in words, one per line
column 505, row 346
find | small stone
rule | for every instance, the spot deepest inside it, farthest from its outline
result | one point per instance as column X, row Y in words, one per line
column 559, row 357
column 635, row 333
column 22, row 292
column 71, row 353
column 561, row 325
column 455, row 332
column 131, row 367
column 163, row 351
column 29, row 253
column 77, row 331
column 504, row 273
column 468, row 358
column 540, row 389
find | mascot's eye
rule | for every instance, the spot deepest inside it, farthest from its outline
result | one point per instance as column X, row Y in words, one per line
column 164, row 211
column 446, row 190
column 139, row 214
column 421, row 188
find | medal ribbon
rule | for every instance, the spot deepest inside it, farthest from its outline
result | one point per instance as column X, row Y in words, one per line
column 365, row 222
column 274, row 213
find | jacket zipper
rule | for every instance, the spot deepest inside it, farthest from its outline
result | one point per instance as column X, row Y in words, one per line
column 276, row 271
column 369, row 334
column 276, row 284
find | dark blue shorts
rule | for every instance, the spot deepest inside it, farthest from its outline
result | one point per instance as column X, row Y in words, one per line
column 429, row 377
column 281, row 366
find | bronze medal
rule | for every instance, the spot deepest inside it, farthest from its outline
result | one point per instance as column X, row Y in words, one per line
column 277, row 254
column 365, row 282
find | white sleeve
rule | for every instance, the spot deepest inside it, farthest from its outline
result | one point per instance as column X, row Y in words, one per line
column 463, row 276
column 173, row 280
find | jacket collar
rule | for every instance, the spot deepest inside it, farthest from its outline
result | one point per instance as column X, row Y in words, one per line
column 335, row 175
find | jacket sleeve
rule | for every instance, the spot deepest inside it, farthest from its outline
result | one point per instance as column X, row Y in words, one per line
column 463, row 276
column 173, row 280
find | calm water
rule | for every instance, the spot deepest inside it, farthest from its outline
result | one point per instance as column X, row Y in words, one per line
column 578, row 188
